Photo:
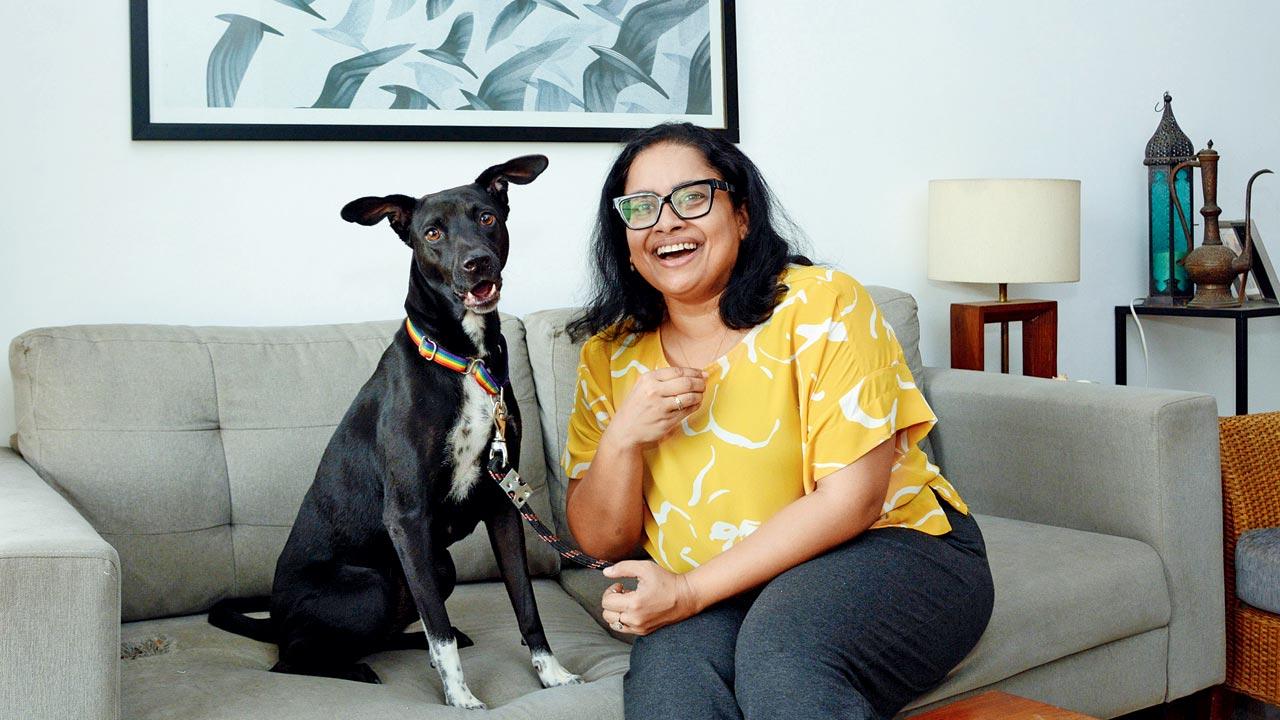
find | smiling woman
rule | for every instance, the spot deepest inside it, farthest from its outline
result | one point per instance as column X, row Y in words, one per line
column 751, row 421
column 622, row 293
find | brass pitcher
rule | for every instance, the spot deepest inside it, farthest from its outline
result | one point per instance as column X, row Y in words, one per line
column 1213, row 267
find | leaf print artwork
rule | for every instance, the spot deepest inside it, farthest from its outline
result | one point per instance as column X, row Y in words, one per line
column 553, row 98
column 608, row 9
column 303, row 5
column 504, row 87
column 470, row 69
column 398, row 8
column 436, row 8
column 406, row 98
column 455, row 46
column 230, row 58
column 698, row 99
column 630, row 60
column 346, row 77
column 515, row 13
column 353, row 26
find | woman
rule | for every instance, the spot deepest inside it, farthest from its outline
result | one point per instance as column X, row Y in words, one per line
column 750, row 419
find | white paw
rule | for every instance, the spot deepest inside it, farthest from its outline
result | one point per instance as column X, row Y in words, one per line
column 552, row 673
column 444, row 656
column 460, row 696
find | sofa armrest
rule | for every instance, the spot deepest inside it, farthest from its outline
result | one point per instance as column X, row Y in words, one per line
column 59, row 604
column 1132, row 462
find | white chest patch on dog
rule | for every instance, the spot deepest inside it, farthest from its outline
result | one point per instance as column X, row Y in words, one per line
column 469, row 437
column 473, row 323
column 444, row 655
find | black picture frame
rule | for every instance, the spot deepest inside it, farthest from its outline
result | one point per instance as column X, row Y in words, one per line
column 146, row 127
column 1262, row 274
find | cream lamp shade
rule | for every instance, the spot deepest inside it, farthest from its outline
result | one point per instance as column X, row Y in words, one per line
column 1004, row 231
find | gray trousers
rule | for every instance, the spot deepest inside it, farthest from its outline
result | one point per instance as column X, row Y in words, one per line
column 855, row 633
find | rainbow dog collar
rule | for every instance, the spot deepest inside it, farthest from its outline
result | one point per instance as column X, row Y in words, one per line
column 431, row 350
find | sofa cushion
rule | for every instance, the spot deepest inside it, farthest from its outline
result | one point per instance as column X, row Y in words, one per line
column 555, row 361
column 1258, row 568
column 208, row 673
column 1058, row 592
column 189, row 449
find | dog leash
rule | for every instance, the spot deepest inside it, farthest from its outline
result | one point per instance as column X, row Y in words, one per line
column 518, row 491
column 499, row 468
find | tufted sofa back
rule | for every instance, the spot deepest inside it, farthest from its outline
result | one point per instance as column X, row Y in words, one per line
column 189, row 449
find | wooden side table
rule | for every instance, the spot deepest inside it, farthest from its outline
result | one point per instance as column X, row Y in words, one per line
column 996, row 705
column 1039, row 320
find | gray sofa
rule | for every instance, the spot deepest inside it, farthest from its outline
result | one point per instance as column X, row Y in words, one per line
column 160, row 469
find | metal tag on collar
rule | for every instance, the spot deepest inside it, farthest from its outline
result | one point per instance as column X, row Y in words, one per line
column 516, row 488
column 422, row 348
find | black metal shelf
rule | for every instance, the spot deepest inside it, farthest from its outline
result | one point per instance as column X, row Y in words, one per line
column 1240, row 314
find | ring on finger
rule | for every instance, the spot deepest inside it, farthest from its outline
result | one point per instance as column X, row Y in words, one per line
column 679, row 403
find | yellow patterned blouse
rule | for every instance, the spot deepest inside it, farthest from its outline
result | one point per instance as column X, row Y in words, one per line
column 803, row 394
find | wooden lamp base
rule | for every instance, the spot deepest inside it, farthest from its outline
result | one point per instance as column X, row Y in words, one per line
column 1039, row 320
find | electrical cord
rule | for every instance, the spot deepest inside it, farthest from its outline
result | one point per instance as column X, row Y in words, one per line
column 1146, row 364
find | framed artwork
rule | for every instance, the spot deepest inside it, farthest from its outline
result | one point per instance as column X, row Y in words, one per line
column 1262, row 277
column 576, row 70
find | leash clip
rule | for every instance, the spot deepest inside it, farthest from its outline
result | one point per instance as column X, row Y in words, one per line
column 499, row 446
column 498, row 454
column 500, row 416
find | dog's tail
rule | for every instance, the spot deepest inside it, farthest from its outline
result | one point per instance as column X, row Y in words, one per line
column 230, row 615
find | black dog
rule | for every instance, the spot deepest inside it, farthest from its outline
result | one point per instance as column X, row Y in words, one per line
column 403, row 476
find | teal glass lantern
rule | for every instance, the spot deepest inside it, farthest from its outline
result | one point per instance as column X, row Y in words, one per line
column 1166, row 242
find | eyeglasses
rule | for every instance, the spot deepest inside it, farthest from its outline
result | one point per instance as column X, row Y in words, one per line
column 690, row 200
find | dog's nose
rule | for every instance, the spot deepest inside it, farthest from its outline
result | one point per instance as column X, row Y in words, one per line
column 478, row 263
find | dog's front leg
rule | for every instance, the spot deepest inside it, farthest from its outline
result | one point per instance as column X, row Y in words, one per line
column 507, row 538
column 411, row 535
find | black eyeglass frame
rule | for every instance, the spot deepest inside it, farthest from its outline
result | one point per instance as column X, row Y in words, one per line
column 715, row 183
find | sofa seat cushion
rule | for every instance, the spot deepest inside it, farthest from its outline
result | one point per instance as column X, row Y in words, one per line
column 1258, row 568
column 1058, row 592
column 208, row 673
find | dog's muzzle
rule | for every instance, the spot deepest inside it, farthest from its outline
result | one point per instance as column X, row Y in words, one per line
column 483, row 296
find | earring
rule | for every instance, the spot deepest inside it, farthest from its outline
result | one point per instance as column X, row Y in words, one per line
column 632, row 265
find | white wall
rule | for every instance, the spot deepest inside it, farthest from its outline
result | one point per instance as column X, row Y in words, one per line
column 849, row 107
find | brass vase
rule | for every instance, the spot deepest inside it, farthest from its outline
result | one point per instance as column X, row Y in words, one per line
column 1212, row 267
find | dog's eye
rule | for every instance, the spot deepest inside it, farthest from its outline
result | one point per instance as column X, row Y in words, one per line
column 487, row 219
column 433, row 234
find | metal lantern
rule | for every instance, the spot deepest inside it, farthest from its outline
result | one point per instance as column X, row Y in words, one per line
column 1167, row 244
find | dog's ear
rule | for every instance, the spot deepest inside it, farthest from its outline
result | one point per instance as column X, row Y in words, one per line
column 370, row 210
column 521, row 171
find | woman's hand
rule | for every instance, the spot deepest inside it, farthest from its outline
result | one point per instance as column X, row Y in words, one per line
column 661, row 598
column 660, row 400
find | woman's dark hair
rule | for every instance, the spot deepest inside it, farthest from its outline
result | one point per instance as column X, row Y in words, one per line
column 622, row 301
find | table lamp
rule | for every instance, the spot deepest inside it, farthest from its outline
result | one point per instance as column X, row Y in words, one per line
column 1005, row 231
